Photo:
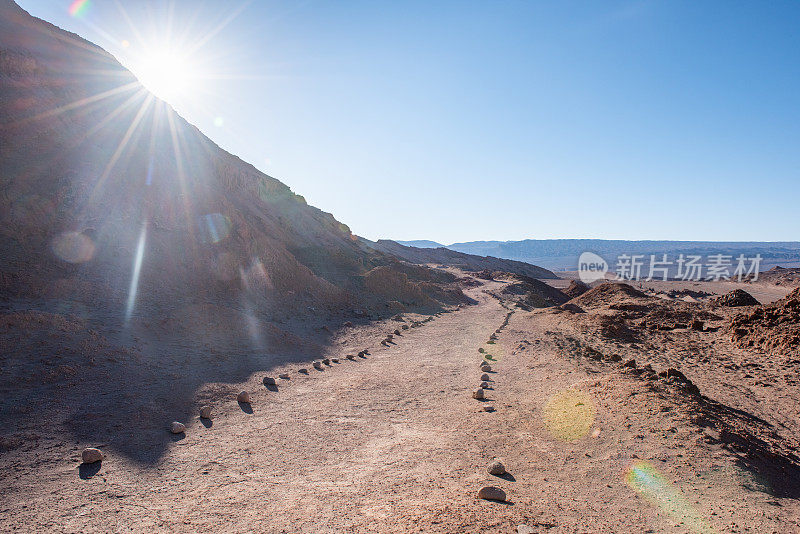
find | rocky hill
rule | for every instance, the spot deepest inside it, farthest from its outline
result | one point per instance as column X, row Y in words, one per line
column 461, row 260
column 106, row 194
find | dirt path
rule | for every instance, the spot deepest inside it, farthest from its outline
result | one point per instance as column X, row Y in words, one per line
column 394, row 443
column 380, row 443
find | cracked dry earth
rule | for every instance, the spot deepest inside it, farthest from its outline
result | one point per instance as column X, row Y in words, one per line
column 394, row 443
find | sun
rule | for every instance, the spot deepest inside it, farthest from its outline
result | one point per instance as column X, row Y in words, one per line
column 168, row 74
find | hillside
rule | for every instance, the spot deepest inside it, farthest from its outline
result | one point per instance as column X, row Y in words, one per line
column 468, row 262
column 108, row 194
column 140, row 262
column 420, row 243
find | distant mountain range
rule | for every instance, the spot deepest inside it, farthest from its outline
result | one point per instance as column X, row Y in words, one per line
column 563, row 254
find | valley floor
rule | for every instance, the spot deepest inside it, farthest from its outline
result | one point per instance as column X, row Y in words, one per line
column 393, row 442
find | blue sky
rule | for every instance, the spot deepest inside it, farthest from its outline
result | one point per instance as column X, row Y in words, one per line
column 461, row 121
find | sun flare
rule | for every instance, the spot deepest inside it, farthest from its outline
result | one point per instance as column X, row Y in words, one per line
column 167, row 74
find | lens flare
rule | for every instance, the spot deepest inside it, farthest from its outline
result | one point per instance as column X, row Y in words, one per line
column 78, row 7
column 73, row 247
column 493, row 353
column 645, row 479
column 137, row 267
column 214, row 227
column 569, row 414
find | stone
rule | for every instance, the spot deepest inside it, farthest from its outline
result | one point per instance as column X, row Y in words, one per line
column 177, row 428
column 397, row 332
column 205, row 412
column 484, row 385
column 496, row 468
column 350, row 357
column 284, row 376
column 488, row 408
column 269, row 381
column 91, row 455
column 243, row 397
column 486, row 368
column 326, row 361
column 405, row 327
column 335, row 360
column 481, row 350
column 478, row 394
column 317, row 365
column 485, row 377
column 492, row 493
column 303, row 371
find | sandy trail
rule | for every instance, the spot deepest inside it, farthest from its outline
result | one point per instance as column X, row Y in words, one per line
column 365, row 444
column 394, row 443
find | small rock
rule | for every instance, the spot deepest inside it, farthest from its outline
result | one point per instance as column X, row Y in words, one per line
column 405, row 327
column 481, row 350
column 492, row 493
column 335, row 360
column 205, row 412
column 269, row 381
column 389, row 337
column 303, row 371
column 177, row 428
column 484, row 385
column 485, row 377
column 284, row 376
column 326, row 361
column 91, row 455
column 397, row 332
column 488, row 408
column 350, row 357
column 243, row 397
column 630, row 363
column 496, row 468
column 317, row 365
column 478, row 394
column 486, row 368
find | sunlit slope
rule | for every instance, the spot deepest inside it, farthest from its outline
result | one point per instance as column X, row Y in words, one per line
column 108, row 193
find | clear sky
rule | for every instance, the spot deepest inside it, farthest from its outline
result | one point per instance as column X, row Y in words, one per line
column 461, row 121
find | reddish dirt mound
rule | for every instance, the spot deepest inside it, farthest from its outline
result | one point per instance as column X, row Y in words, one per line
column 531, row 293
column 774, row 327
column 780, row 276
column 609, row 293
column 576, row 289
column 737, row 297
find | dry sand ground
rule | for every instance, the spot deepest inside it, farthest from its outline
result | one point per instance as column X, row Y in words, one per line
column 394, row 443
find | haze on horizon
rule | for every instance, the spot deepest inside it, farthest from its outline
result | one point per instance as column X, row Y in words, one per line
column 466, row 121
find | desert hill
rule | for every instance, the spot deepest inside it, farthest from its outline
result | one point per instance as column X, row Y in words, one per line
column 95, row 169
column 468, row 262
